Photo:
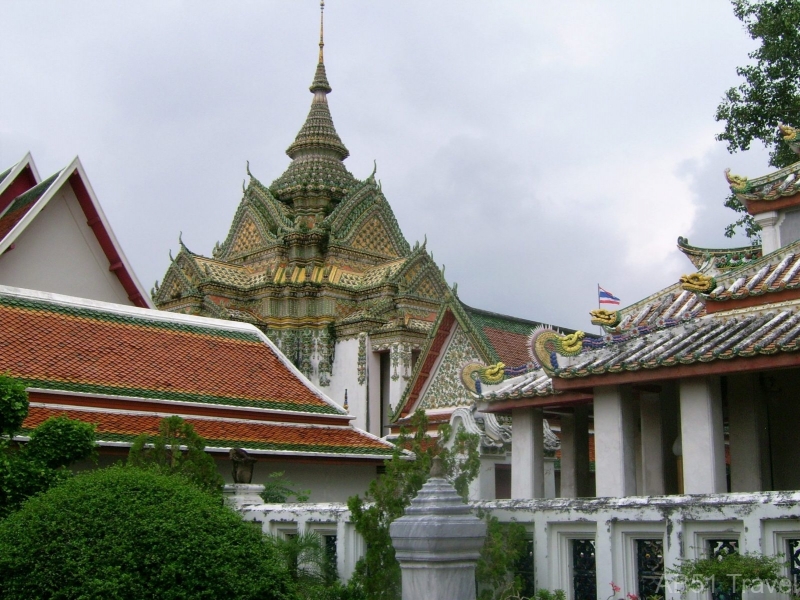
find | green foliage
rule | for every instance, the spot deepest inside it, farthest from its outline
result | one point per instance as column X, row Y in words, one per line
column 749, row 570
column 13, row 405
column 166, row 454
column 124, row 533
column 59, row 442
column 770, row 93
column 307, row 561
column 43, row 461
column 278, row 490
column 377, row 575
column 548, row 595
column 504, row 548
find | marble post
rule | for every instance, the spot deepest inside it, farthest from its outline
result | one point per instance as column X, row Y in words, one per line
column 438, row 542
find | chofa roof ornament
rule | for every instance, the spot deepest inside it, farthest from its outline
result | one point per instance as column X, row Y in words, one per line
column 545, row 344
column 606, row 318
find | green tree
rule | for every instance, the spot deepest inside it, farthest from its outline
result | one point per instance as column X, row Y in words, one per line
column 177, row 450
column 377, row 575
column 28, row 469
column 125, row 533
column 770, row 92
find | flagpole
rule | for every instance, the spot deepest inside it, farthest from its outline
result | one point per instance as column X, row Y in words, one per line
column 600, row 327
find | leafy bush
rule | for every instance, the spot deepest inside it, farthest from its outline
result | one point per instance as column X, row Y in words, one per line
column 278, row 490
column 165, row 454
column 43, row 461
column 731, row 573
column 13, row 405
column 126, row 533
column 505, row 546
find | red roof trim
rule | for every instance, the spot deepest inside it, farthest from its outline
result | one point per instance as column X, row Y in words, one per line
column 21, row 184
column 717, row 367
column 94, row 221
column 221, row 411
column 431, row 355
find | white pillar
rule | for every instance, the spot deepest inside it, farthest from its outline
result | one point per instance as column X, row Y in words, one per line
column 770, row 235
column 549, row 476
column 575, row 471
column 652, row 446
column 702, row 438
column 746, row 433
column 569, row 487
column 483, row 486
column 374, row 425
column 615, row 467
column 527, row 453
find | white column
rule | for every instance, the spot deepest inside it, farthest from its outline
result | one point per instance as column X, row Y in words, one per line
column 746, row 432
column 615, row 468
column 575, row 472
column 569, row 487
column 374, row 391
column 483, row 486
column 652, row 446
column 549, row 476
column 770, row 235
column 702, row 437
column 527, row 453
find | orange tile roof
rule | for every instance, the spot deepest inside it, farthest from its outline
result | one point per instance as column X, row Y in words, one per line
column 124, row 427
column 111, row 351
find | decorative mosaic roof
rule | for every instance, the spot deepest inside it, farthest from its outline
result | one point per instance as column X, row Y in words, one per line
column 69, row 345
column 720, row 259
column 779, row 184
column 533, row 383
column 665, row 308
column 23, row 203
column 720, row 336
column 124, row 426
column 775, row 272
column 507, row 337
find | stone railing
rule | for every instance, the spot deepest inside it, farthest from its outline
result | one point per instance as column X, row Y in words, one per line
column 582, row 545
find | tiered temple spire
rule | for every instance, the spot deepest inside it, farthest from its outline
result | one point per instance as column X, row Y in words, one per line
column 317, row 152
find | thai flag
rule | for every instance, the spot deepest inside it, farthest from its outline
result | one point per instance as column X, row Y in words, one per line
column 606, row 297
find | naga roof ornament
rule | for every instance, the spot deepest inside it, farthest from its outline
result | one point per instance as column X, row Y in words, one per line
column 697, row 282
column 791, row 136
column 317, row 152
column 608, row 318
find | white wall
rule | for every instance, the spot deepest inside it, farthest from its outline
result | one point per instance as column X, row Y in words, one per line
column 761, row 522
column 344, row 376
column 59, row 253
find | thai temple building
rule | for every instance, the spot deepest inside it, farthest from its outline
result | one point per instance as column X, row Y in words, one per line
column 78, row 330
column 689, row 398
column 316, row 260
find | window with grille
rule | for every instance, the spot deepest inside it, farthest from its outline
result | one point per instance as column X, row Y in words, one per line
column 650, row 568
column 584, row 570
column 718, row 549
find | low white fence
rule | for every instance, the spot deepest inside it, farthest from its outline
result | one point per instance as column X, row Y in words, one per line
column 582, row 545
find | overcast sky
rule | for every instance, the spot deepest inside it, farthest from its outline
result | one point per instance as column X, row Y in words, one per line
column 543, row 147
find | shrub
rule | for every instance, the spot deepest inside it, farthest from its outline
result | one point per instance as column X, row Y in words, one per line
column 127, row 533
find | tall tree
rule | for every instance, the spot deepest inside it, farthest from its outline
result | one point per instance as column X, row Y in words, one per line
column 770, row 92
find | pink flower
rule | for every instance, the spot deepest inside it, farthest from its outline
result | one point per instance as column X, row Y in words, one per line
column 632, row 597
column 615, row 587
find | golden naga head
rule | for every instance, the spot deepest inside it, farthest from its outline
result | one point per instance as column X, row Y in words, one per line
column 788, row 132
column 738, row 183
column 697, row 282
column 608, row 318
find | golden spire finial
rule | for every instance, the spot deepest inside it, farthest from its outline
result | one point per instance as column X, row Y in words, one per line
column 321, row 29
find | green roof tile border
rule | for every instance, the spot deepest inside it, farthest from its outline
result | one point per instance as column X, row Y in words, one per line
column 98, row 314
column 155, row 394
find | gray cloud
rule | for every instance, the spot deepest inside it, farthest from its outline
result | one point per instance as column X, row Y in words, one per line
column 542, row 147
